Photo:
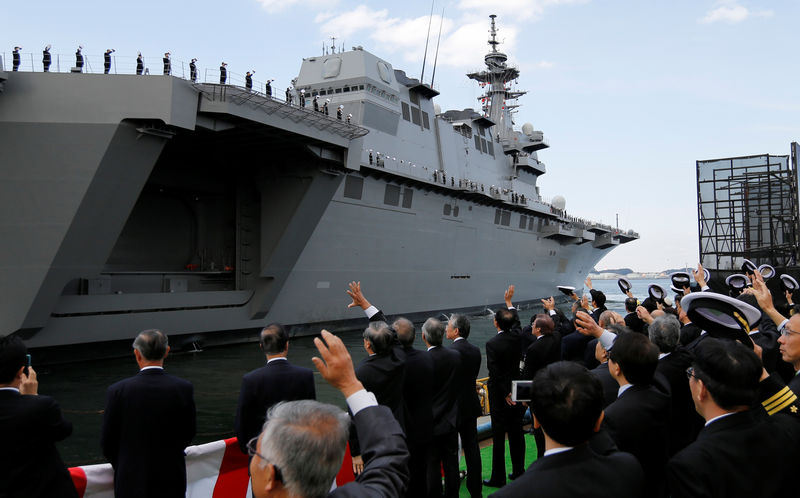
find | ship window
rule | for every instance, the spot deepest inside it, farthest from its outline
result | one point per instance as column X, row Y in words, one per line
column 346, row 89
column 477, row 143
column 497, row 215
column 530, row 223
column 523, row 221
column 491, row 148
column 414, row 97
column 415, row 115
column 506, row 219
column 406, row 111
column 481, row 131
column 455, row 211
column 338, row 90
column 353, row 186
column 322, row 92
column 360, row 87
column 425, row 121
column 392, row 195
column 447, row 209
column 483, row 145
column 408, row 195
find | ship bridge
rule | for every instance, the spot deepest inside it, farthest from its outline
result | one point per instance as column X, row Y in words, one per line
column 129, row 194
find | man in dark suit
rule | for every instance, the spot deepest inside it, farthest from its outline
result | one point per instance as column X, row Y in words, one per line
column 638, row 421
column 418, row 397
column 632, row 320
column 567, row 404
column 303, row 442
column 610, row 386
column 148, row 421
column 382, row 373
column 276, row 381
column 30, row 425
column 469, row 406
column 544, row 350
column 724, row 382
column 446, row 390
column 684, row 423
column 502, row 360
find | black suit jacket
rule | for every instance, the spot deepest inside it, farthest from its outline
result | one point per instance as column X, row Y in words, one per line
column 385, row 456
column 148, row 422
column 738, row 455
column 633, row 322
column 578, row 472
column 382, row 375
column 276, row 381
column 469, row 406
column 685, row 422
column 30, row 465
column 502, row 360
column 638, row 422
column 542, row 352
column 418, row 395
column 446, row 389
column 610, row 386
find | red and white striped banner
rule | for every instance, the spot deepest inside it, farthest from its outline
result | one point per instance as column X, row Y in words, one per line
column 213, row 470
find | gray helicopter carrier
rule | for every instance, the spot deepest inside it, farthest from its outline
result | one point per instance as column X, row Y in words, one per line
column 208, row 211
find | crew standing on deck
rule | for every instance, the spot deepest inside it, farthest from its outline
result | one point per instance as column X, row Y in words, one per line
column 79, row 59
column 107, row 60
column 139, row 64
column 193, row 70
column 339, row 112
column 16, row 58
column 268, row 88
column 289, row 95
column 167, row 64
column 316, row 103
column 46, row 59
column 223, row 73
column 303, row 98
column 248, row 80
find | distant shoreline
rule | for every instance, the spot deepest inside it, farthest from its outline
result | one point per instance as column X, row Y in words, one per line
column 629, row 276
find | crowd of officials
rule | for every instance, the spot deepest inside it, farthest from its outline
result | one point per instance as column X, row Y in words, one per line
column 682, row 399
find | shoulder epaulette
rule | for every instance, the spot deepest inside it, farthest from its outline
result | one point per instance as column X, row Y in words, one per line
column 779, row 401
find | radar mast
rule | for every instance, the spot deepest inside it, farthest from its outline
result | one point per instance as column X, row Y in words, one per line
column 496, row 79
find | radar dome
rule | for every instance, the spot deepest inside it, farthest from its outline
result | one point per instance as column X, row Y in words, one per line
column 559, row 202
column 437, row 109
column 527, row 129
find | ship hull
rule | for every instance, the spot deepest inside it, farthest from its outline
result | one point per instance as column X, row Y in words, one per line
column 154, row 203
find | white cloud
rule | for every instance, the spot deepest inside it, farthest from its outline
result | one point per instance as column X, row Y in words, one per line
column 732, row 13
column 274, row 6
column 521, row 10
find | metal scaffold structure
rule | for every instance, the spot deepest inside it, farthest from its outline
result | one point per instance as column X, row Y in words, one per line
column 748, row 209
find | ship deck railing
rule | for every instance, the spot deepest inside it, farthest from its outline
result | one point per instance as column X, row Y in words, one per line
column 207, row 83
column 238, row 95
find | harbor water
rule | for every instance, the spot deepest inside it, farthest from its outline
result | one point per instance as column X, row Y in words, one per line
column 216, row 374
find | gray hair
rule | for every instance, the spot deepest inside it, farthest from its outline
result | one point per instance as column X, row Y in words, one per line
column 379, row 336
column 405, row 331
column 460, row 322
column 306, row 441
column 152, row 344
column 664, row 332
column 433, row 331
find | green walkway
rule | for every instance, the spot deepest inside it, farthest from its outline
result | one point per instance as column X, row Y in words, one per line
column 486, row 464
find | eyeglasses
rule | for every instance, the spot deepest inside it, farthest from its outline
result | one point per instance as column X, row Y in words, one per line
column 251, row 450
column 690, row 373
column 786, row 332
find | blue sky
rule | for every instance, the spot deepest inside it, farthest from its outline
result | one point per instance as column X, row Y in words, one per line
column 629, row 94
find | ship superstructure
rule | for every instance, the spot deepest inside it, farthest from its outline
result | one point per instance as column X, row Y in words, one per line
column 209, row 210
